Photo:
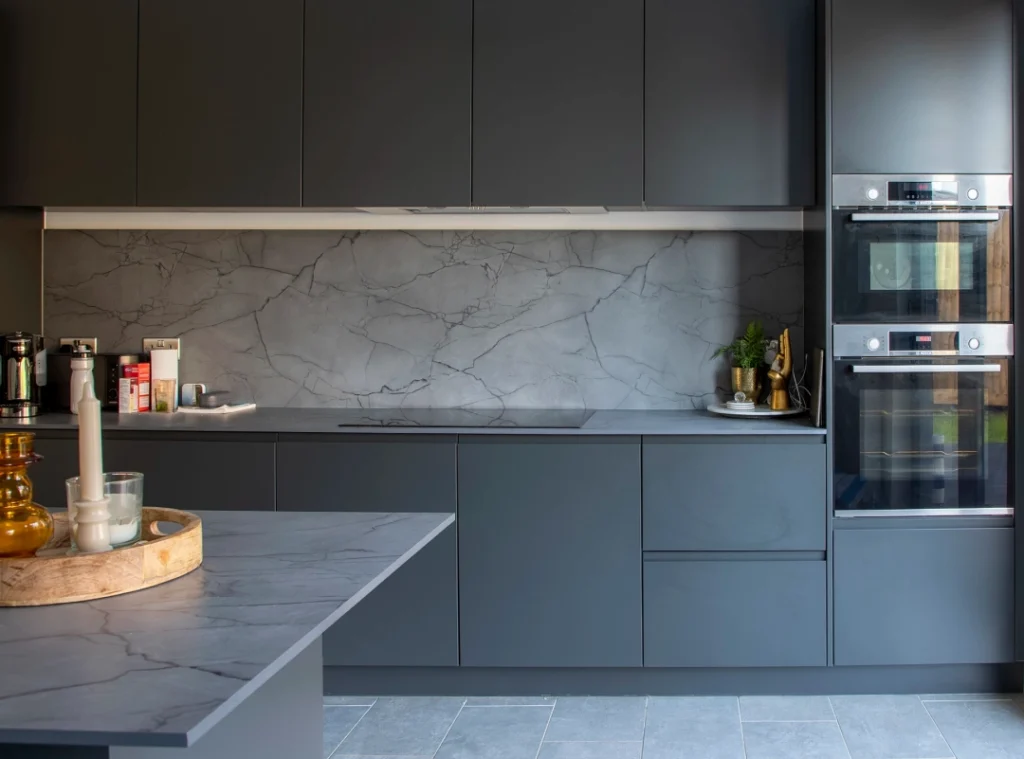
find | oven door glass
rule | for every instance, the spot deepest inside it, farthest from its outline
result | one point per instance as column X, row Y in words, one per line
column 921, row 436
column 920, row 271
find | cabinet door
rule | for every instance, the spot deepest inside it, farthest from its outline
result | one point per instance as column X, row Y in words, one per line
column 60, row 461
column 220, row 102
column 558, row 102
column 387, row 103
column 922, row 86
column 730, row 103
column 412, row 619
column 694, row 500
column 231, row 472
column 734, row 613
column 67, row 95
column 924, row 596
column 549, row 552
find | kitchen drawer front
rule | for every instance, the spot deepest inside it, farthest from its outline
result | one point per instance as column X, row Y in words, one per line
column 734, row 496
column 924, row 596
column 734, row 613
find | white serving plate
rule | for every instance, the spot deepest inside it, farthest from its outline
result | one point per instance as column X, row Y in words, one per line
column 763, row 412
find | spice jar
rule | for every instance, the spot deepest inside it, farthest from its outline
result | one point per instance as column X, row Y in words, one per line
column 25, row 527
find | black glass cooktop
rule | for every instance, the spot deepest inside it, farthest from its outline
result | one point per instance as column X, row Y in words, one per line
column 458, row 417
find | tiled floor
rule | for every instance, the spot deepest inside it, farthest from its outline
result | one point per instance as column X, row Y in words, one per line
column 754, row 727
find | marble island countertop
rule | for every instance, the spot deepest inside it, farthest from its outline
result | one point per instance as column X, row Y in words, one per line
column 162, row 666
column 446, row 421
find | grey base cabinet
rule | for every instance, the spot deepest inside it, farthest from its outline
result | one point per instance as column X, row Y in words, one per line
column 734, row 613
column 924, row 596
column 412, row 618
column 218, row 472
column 549, row 552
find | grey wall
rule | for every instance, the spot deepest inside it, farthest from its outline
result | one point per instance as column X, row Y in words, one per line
column 524, row 319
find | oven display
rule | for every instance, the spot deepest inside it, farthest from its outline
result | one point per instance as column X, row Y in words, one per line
column 924, row 342
column 924, row 192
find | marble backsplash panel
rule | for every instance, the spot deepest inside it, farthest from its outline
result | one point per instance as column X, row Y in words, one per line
column 445, row 319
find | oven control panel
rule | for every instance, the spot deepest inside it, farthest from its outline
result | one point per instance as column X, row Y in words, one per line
column 908, row 191
column 892, row 340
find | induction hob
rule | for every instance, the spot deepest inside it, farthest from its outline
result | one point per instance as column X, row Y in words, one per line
column 458, row 417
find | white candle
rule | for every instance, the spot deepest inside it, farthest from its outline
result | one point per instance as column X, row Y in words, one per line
column 91, row 515
column 90, row 446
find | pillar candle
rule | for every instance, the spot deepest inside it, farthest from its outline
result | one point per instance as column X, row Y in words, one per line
column 90, row 446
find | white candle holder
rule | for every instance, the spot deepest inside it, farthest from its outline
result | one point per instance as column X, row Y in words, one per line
column 93, row 526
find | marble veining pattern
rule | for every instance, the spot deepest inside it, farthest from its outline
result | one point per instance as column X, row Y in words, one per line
column 147, row 668
column 625, row 320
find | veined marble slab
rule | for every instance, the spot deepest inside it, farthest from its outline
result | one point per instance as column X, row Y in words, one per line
column 515, row 319
column 162, row 666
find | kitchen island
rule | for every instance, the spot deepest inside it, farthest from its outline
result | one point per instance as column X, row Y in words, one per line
column 225, row 661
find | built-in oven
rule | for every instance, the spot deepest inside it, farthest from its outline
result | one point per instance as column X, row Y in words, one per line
column 921, row 249
column 922, row 419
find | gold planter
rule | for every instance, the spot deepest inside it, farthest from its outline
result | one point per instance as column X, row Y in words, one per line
column 748, row 382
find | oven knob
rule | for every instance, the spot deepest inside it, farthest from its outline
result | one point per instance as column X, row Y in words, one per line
column 872, row 193
column 974, row 343
column 972, row 194
column 873, row 344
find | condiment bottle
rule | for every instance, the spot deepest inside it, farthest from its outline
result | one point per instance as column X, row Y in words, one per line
column 25, row 527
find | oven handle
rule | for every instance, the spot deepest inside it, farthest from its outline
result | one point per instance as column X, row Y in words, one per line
column 928, row 216
column 926, row 368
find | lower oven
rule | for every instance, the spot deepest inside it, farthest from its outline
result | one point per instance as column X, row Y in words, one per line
column 922, row 420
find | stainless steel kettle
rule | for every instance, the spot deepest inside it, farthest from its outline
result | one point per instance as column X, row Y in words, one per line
column 23, row 374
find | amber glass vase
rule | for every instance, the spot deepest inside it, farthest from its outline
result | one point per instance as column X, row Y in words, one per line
column 25, row 527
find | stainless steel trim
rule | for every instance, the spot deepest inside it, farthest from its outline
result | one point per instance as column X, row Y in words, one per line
column 986, row 511
column 853, row 340
column 852, row 190
column 926, row 368
column 927, row 216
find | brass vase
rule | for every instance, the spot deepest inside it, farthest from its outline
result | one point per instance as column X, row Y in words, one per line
column 748, row 382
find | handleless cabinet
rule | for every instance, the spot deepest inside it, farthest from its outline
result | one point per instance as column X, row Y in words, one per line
column 549, row 552
column 922, row 87
column 558, row 103
column 729, row 103
column 220, row 102
column 412, row 619
column 67, row 95
column 387, row 101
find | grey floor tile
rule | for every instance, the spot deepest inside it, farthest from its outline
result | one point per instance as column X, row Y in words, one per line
column 349, row 700
column 981, row 729
column 504, row 732
column 399, row 726
column 785, row 709
column 590, row 750
column 510, row 701
column 338, row 721
column 693, row 728
column 888, row 727
column 597, row 719
column 794, row 740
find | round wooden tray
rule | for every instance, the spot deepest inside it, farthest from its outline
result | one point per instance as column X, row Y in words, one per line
column 54, row 577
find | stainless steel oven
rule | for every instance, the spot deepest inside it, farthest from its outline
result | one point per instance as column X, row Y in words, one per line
column 921, row 249
column 922, row 419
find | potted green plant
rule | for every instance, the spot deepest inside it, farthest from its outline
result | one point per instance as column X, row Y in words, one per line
column 747, row 352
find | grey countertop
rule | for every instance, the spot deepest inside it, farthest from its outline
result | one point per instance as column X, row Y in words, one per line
column 160, row 667
column 301, row 421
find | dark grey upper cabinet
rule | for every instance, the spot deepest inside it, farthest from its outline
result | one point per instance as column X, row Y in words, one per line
column 558, row 102
column 220, row 102
column 730, row 103
column 922, row 86
column 67, row 95
column 549, row 552
column 388, row 103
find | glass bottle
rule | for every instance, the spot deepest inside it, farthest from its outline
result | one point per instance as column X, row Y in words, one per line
column 25, row 527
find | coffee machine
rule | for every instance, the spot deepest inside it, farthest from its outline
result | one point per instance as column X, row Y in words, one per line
column 23, row 374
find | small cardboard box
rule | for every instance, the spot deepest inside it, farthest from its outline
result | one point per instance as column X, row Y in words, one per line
column 141, row 374
column 128, row 395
